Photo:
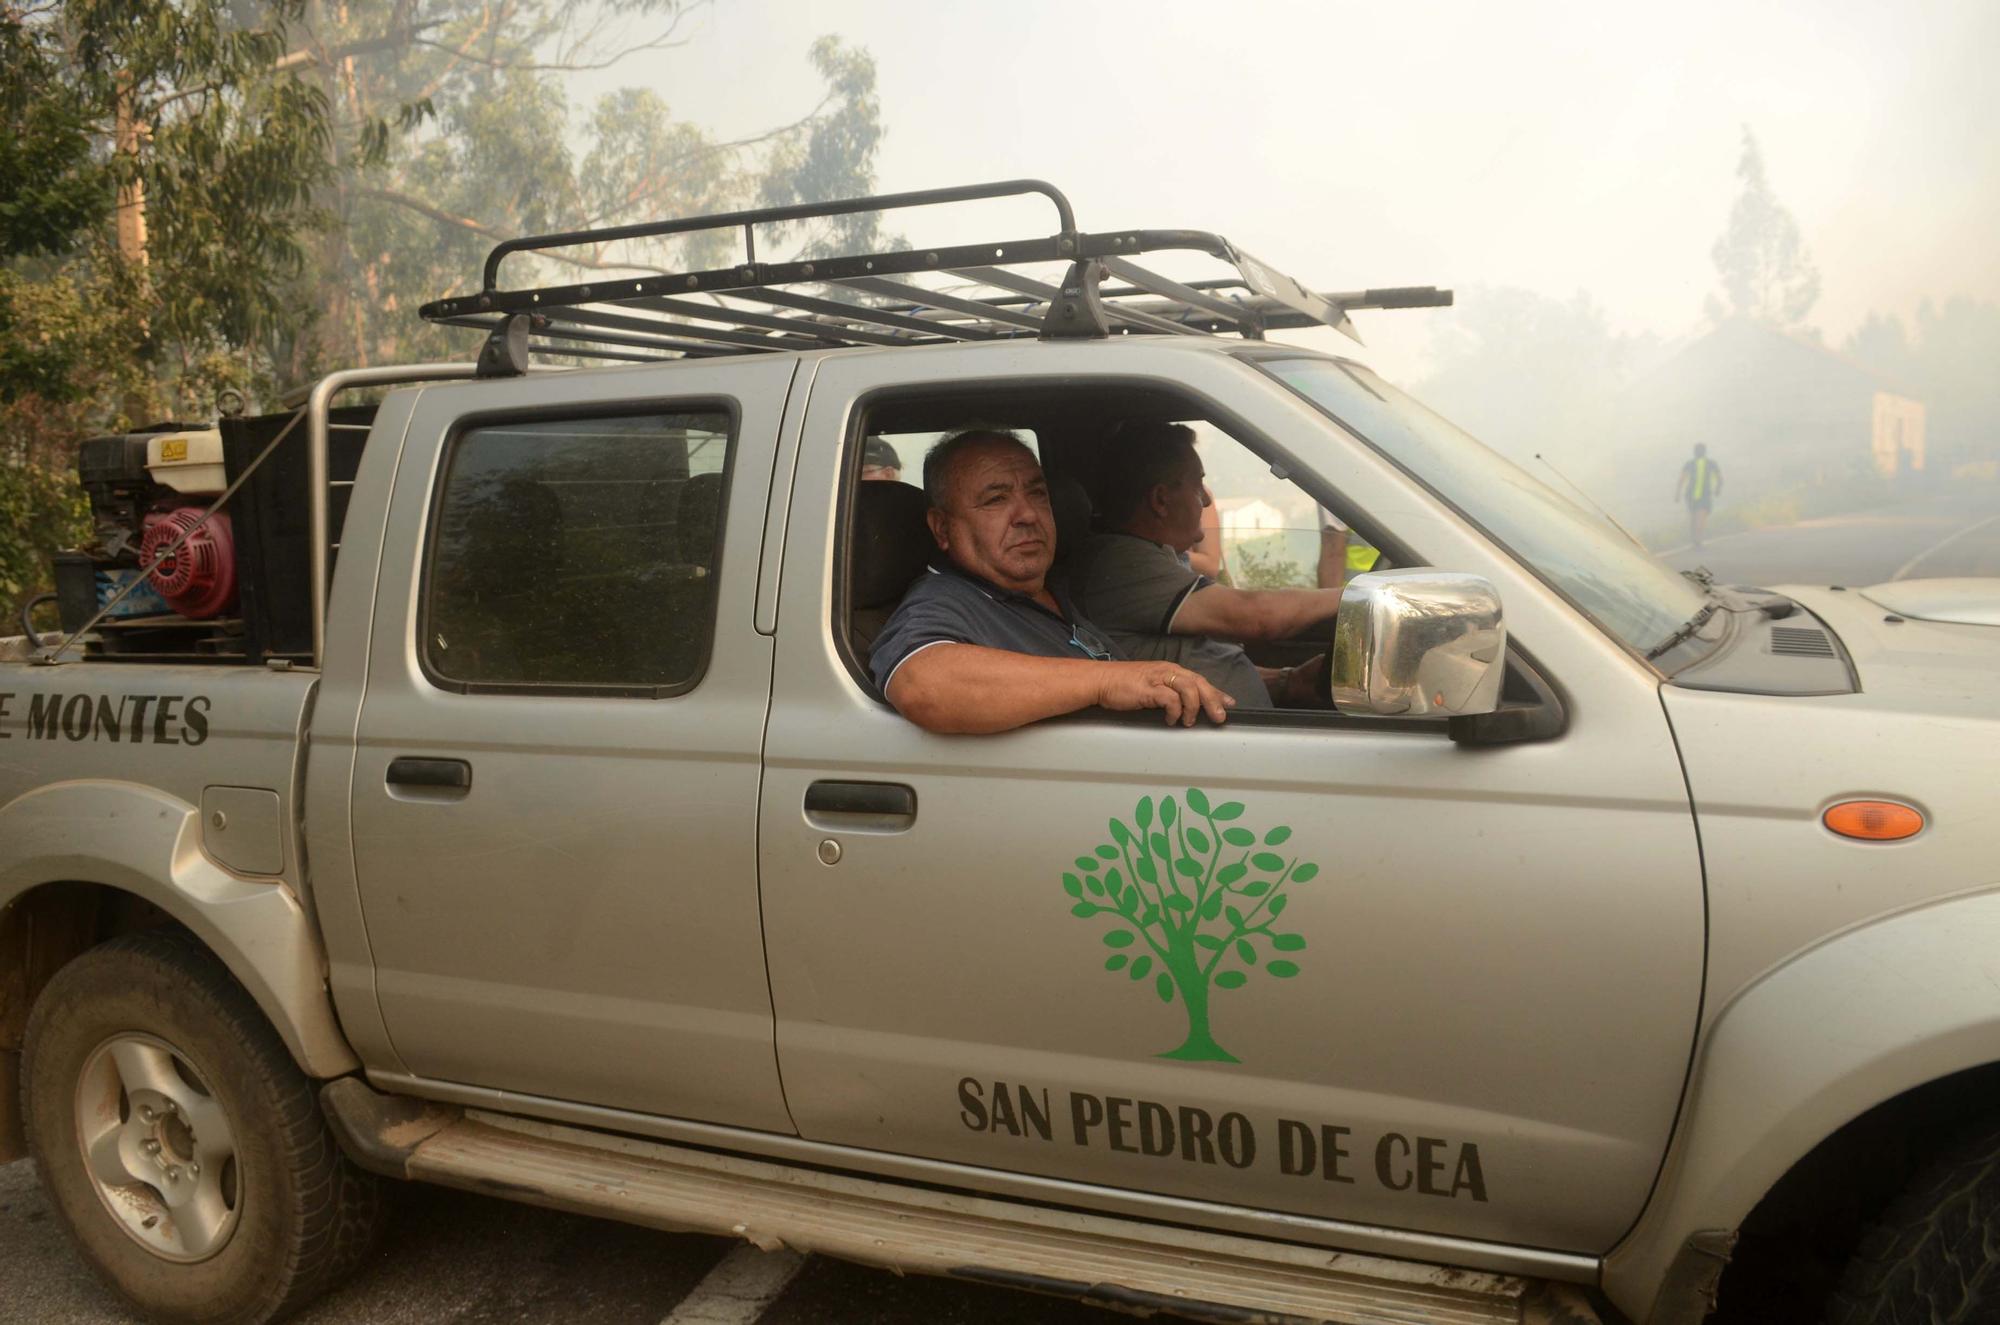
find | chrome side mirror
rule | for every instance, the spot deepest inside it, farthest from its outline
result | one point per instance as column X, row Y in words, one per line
column 1418, row 644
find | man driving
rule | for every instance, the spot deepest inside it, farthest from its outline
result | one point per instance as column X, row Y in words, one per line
column 1134, row 580
column 983, row 642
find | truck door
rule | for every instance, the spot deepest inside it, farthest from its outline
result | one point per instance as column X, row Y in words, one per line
column 1447, row 989
column 554, row 794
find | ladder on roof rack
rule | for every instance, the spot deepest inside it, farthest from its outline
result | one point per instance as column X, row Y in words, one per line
column 750, row 308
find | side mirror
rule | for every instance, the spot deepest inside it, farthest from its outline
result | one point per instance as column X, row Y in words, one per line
column 1418, row 644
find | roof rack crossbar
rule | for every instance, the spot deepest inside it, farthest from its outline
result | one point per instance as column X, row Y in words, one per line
column 755, row 340
column 1155, row 283
column 692, row 348
column 775, row 215
column 561, row 330
column 744, row 317
column 862, row 313
column 918, row 295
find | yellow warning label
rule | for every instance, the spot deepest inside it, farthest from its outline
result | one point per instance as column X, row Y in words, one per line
column 174, row 448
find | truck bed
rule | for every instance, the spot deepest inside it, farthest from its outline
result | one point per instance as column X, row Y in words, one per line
column 182, row 730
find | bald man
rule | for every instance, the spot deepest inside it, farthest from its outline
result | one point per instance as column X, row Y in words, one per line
column 983, row 642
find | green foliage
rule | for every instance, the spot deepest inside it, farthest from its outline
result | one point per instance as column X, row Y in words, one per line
column 180, row 104
column 834, row 156
column 53, row 186
column 1252, row 567
column 1198, row 901
column 231, row 151
column 39, row 509
column 1767, row 274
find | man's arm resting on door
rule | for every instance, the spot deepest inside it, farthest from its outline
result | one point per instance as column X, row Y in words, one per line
column 966, row 688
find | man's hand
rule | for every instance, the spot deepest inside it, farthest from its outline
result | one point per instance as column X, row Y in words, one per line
column 1183, row 693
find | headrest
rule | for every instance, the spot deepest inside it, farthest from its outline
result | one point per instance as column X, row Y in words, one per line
column 892, row 544
column 1072, row 508
column 695, row 518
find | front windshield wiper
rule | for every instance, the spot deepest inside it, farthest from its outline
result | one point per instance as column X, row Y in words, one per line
column 1686, row 632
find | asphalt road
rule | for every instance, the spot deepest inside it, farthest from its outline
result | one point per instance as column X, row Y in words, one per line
column 1951, row 532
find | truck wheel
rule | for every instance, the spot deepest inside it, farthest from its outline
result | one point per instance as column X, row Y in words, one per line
column 180, row 1144
column 1935, row 1254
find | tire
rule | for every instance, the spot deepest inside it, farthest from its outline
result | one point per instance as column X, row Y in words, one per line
column 1934, row 1257
column 143, row 1058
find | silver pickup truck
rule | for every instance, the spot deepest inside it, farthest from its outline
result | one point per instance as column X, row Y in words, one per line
column 523, row 817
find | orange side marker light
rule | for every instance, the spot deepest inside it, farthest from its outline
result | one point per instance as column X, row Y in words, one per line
column 1873, row 821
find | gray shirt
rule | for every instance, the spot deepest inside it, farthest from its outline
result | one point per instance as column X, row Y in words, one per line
column 1132, row 587
column 947, row 606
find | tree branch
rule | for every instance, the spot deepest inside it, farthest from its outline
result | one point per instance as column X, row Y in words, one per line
column 715, row 149
column 1166, row 921
column 396, row 36
column 186, row 92
column 443, row 217
column 1246, row 927
column 660, row 43
column 1098, row 908
column 1215, row 837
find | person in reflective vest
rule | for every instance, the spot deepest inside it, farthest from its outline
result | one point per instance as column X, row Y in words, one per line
column 1342, row 556
column 1700, row 483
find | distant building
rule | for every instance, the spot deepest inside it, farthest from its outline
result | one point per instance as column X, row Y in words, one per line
column 1775, row 409
column 1245, row 518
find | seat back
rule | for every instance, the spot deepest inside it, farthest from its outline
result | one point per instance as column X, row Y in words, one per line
column 1071, row 503
column 892, row 545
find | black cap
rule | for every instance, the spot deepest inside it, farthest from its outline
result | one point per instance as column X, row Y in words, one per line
column 877, row 453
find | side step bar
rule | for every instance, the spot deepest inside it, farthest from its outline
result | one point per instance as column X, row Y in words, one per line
column 1128, row 1264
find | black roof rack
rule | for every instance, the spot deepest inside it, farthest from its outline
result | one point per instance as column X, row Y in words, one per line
column 869, row 299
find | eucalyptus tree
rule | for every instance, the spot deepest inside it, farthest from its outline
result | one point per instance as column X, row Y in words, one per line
column 457, row 128
column 158, row 172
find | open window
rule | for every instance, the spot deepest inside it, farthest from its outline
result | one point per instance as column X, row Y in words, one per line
column 1271, row 532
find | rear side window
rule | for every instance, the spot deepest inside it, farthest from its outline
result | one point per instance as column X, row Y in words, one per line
column 577, row 553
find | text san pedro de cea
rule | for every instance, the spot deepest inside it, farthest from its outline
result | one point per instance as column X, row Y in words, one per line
column 1422, row 1165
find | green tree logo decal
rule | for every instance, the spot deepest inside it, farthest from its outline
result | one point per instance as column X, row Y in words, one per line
column 1198, row 900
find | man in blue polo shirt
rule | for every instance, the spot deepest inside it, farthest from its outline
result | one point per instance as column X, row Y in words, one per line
column 983, row 642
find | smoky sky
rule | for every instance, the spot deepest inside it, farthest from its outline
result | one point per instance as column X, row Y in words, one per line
column 1555, row 148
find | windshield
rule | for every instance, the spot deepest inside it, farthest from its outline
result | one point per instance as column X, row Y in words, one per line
column 1619, row 585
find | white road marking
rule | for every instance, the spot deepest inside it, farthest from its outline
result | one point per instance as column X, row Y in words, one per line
column 738, row 1289
column 1939, row 546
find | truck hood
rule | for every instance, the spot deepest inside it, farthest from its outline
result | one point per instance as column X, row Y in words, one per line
column 1964, row 602
column 1918, row 645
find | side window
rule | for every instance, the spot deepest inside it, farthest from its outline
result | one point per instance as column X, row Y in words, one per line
column 577, row 553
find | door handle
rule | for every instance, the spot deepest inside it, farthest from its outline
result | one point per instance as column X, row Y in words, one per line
column 879, row 805
column 430, row 774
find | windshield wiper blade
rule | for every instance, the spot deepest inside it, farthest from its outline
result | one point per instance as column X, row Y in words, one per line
column 1685, row 633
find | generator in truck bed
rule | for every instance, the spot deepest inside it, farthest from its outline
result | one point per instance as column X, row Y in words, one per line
column 550, row 836
column 237, row 589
